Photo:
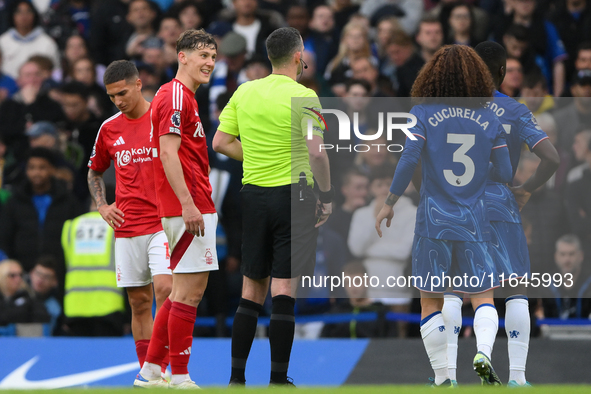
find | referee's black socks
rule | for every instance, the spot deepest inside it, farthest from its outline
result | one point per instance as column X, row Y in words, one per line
column 281, row 332
column 243, row 332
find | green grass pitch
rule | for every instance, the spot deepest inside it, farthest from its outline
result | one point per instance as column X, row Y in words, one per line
column 386, row 389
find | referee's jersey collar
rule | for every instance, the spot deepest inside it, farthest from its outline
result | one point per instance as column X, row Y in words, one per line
column 281, row 75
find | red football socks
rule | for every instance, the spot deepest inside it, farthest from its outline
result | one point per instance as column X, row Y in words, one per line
column 181, row 322
column 141, row 348
column 158, row 349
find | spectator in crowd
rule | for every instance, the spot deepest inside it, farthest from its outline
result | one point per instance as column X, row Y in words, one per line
column 141, row 16
column 84, row 71
column 572, row 299
column 49, row 85
column 229, row 70
column 385, row 28
column 576, row 115
column 406, row 59
column 44, row 135
column 8, row 86
column 516, row 42
column 534, row 93
column 148, row 76
column 548, row 124
column 513, row 81
column 81, row 128
column 44, row 284
column 41, row 135
column 258, row 67
column 67, row 18
column 169, row 31
column 480, row 17
column 109, row 31
column 30, row 104
column 354, row 190
column 195, row 14
column 34, row 92
column 76, row 49
column 578, row 192
column 546, row 212
column 92, row 308
column 322, row 39
column 385, row 256
column 356, row 101
column 542, row 37
column 253, row 24
column 25, row 39
column 412, row 11
column 572, row 19
column 460, row 25
column 343, row 11
column 36, row 211
column 153, row 54
column 189, row 14
column 429, row 37
column 17, row 305
column 358, row 302
column 581, row 149
column 583, row 58
column 354, row 45
column 297, row 16
column 364, row 69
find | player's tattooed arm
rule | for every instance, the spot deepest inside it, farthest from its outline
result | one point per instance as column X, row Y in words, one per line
column 391, row 199
column 110, row 213
column 96, row 185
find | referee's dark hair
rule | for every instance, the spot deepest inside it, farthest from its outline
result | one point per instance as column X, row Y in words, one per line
column 495, row 58
column 120, row 70
column 282, row 44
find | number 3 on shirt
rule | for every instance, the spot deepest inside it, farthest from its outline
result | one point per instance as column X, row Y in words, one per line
column 467, row 141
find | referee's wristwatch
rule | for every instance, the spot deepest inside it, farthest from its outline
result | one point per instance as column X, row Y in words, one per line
column 326, row 197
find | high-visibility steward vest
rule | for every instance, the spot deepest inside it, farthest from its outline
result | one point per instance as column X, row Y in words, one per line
column 91, row 283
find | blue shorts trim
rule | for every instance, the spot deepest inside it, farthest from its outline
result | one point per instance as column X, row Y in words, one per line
column 426, row 319
column 481, row 305
column 516, row 297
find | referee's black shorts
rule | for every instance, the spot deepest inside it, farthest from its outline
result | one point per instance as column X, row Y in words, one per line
column 279, row 238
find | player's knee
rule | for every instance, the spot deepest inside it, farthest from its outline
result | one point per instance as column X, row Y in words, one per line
column 193, row 298
column 162, row 290
column 140, row 302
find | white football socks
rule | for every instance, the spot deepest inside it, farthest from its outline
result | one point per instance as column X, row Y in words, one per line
column 452, row 316
column 178, row 379
column 151, row 371
column 435, row 340
column 486, row 325
column 517, row 326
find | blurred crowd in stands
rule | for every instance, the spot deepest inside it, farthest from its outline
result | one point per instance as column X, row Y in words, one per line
column 52, row 102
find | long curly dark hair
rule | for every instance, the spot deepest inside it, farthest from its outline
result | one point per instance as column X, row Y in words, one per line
column 454, row 71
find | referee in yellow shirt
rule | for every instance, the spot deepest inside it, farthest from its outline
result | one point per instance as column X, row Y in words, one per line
column 280, row 211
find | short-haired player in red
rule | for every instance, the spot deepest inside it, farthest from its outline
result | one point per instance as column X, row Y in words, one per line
column 189, row 219
column 141, row 254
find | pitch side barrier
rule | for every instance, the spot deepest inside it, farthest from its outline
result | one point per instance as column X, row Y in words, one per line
column 390, row 316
